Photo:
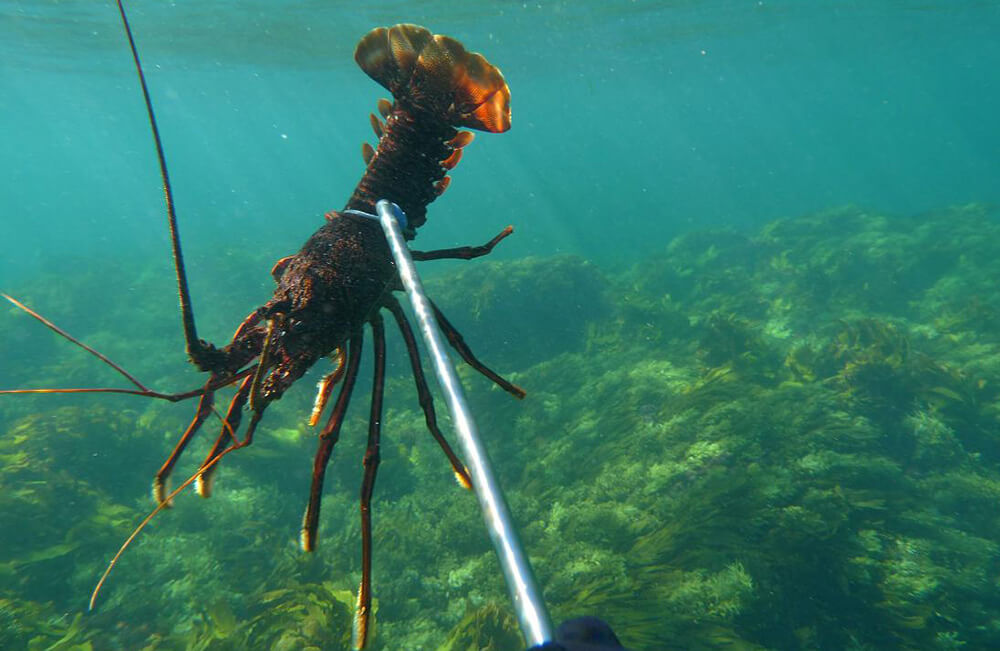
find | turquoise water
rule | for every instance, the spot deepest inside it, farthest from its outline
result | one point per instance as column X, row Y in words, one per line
column 633, row 123
column 666, row 115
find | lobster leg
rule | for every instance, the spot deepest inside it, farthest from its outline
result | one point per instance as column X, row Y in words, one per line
column 370, row 464
column 424, row 394
column 250, row 321
column 327, row 439
column 251, row 428
column 247, row 390
column 458, row 343
column 203, row 411
column 326, row 388
column 230, row 424
column 462, row 252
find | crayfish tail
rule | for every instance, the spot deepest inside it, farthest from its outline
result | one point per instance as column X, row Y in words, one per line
column 438, row 87
column 436, row 74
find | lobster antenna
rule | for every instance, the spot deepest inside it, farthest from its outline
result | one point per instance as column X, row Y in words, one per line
column 148, row 393
column 159, row 507
column 194, row 345
column 143, row 389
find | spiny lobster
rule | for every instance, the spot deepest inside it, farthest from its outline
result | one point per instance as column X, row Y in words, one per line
column 342, row 278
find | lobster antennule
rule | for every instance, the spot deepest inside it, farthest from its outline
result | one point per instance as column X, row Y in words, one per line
column 435, row 73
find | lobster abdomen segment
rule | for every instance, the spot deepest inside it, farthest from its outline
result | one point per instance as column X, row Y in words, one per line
column 437, row 85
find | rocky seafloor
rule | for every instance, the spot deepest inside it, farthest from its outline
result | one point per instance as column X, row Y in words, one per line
column 779, row 439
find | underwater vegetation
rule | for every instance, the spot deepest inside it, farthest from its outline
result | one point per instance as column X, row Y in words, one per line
column 782, row 439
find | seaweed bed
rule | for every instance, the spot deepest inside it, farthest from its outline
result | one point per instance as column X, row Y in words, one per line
column 783, row 440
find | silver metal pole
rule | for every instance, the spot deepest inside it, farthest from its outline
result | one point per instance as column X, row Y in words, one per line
column 531, row 611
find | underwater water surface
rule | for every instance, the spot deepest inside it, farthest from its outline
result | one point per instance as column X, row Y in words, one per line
column 752, row 295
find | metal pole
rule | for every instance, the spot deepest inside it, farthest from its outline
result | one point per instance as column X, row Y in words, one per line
column 531, row 611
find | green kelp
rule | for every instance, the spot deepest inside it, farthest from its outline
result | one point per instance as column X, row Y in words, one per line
column 784, row 469
column 775, row 440
column 58, row 518
column 306, row 616
column 490, row 628
column 510, row 299
column 38, row 627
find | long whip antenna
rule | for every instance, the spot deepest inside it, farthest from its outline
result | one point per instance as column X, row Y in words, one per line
column 194, row 345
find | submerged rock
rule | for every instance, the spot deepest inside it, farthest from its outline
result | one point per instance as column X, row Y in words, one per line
column 784, row 439
column 524, row 311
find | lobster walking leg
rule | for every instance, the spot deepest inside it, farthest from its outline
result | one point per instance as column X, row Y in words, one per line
column 327, row 439
column 326, row 388
column 370, row 464
column 248, row 436
column 462, row 252
column 230, row 424
column 163, row 474
column 458, row 343
column 424, row 394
